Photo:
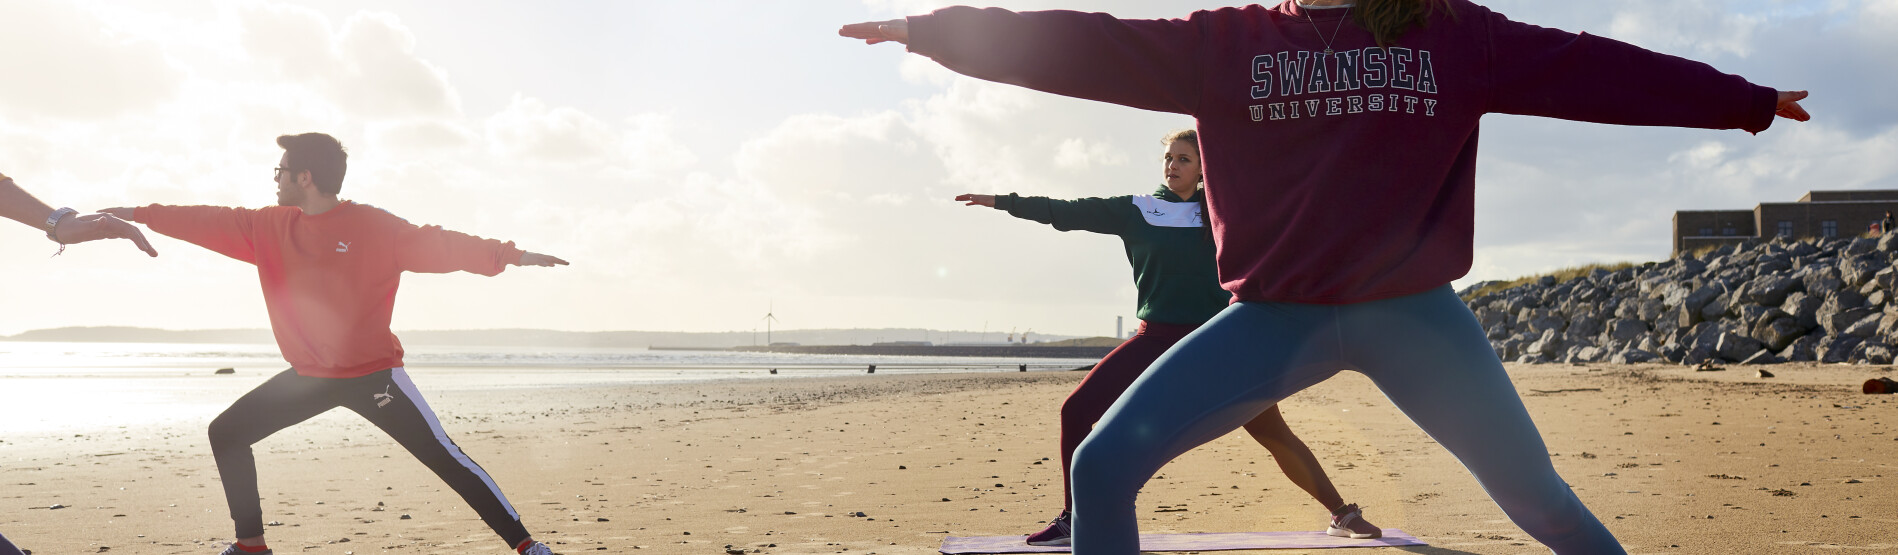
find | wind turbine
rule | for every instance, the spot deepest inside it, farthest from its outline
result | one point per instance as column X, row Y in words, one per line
column 768, row 319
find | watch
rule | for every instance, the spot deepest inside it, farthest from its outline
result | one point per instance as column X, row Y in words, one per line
column 52, row 222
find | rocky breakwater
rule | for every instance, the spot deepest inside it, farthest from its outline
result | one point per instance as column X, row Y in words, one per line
column 1826, row 300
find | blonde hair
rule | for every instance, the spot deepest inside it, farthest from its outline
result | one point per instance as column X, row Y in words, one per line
column 1389, row 19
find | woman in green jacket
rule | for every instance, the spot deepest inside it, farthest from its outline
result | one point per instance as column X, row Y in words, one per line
column 1171, row 251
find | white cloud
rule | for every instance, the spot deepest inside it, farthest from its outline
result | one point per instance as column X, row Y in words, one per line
column 369, row 68
column 61, row 60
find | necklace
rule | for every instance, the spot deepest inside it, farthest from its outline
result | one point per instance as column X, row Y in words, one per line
column 1334, row 31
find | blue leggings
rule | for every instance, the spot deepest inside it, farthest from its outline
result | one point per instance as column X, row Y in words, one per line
column 1426, row 352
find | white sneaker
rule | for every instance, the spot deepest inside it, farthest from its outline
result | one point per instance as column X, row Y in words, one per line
column 233, row 550
column 537, row 549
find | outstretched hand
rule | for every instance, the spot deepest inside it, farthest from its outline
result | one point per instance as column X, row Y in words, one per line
column 1789, row 107
column 93, row 227
column 977, row 200
column 538, row 259
column 872, row 32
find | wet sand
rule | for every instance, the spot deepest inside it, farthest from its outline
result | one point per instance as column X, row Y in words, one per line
column 1672, row 460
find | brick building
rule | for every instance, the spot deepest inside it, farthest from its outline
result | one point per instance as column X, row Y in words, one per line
column 1818, row 214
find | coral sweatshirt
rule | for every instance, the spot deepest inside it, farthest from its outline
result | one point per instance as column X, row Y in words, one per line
column 1347, row 176
column 329, row 279
column 1166, row 243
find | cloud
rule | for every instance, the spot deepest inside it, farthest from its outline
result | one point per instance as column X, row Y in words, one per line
column 61, row 60
column 369, row 68
column 529, row 130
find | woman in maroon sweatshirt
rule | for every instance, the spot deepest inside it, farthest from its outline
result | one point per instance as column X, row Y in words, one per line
column 1370, row 114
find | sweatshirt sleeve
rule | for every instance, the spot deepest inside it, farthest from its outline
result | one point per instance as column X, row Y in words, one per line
column 1147, row 64
column 432, row 250
column 224, row 230
column 1099, row 215
column 1539, row 71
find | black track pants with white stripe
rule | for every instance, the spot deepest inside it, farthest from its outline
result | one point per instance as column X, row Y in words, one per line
column 387, row 399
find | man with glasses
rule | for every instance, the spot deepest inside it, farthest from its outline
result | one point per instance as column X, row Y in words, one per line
column 329, row 269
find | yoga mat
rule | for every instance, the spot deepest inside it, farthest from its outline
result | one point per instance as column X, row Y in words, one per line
column 1190, row 542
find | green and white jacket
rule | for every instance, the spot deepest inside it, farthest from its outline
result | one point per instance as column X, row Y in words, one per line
column 1166, row 241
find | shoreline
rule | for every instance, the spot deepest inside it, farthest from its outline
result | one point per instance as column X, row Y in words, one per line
column 754, row 463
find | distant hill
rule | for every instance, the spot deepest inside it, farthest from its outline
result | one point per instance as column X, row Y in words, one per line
column 1084, row 342
column 534, row 337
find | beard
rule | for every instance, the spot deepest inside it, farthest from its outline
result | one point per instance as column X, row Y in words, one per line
column 288, row 198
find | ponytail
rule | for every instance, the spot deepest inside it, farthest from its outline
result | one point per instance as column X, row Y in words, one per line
column 1387, row 20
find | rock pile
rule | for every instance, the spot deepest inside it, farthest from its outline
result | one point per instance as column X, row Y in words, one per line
column 1826, row 300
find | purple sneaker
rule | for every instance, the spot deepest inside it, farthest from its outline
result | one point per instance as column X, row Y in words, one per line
column 1058, row 532
column 1349, row 522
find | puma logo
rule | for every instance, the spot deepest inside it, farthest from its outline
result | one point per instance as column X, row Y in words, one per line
column 382, row 399
column 342, row 247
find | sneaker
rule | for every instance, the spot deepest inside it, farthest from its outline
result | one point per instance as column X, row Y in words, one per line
column 1058, row 532
column 233, row 550
column 1350, row 523
column 537, row 549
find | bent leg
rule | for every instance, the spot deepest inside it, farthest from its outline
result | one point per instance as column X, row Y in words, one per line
column 1294, row 458
column 1102, row 386
column 1428, row 354
column 1218, row 378
column 281, row 402
column 405, row 416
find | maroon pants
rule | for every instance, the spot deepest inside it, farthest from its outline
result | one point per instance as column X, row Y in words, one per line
column 1103, row 385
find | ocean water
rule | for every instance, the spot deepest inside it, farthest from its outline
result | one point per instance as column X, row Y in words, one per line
column 48, row 387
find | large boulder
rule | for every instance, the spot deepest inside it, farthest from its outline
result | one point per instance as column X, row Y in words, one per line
column 1625, row 330
column 1633, row 356
column 1548, row 345
column 1821, row 280
column 1872, row 352
column 1770, row 290
column 1836, row 323
column 1836, row 349
column 1779, row 333
column 1857, row 271
column 1861, row 246
column 1831, row 314
column 1804, row 308
column 1717, row 308
column 1735, row 347
column 1804, row 349
column 1866, row 326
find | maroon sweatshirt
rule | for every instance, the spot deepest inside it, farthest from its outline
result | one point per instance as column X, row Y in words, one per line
column 1343, row 177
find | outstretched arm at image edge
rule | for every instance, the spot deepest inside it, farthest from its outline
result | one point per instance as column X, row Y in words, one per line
column 1547, row 72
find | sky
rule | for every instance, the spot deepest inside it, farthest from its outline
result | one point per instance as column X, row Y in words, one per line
column 702, row 163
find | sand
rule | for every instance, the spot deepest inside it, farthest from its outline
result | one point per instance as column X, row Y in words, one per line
column 1672, row 460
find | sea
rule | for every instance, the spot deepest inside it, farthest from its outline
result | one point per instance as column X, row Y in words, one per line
column 56, row 387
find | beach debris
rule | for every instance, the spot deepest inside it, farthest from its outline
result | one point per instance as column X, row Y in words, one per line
column 1709, row 366
column 1877, row 386
column 1024, row 368
column 405, row 516
column 225, row 371
column 273, row 523
column 873, row 369
column 1764, row 374
column 56, row 507
column 858, row 514
column 774, row 370
column 601, row 519
column 1851, row 481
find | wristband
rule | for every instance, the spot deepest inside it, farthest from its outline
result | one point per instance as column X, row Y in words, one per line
column 52, row 222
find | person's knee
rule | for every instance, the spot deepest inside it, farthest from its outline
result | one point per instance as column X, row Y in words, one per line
column 228, row 432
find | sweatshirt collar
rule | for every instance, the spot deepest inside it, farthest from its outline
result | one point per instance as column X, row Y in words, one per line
column 1316, row 13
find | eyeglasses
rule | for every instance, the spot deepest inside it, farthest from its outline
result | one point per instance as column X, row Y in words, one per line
column 278, row 176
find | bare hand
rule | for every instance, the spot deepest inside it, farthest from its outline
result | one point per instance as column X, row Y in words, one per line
column 120, row 213
column 538, row 259
column 977, row 200
column 1789, row 106
column 872, row 32
column 93, row 227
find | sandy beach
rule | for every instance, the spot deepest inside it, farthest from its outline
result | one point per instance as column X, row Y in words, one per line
column 1672, row 460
